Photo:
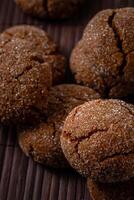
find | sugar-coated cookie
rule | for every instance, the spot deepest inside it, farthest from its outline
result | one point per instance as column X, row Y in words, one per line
column 98, row 140
column 104, row 58
column 45, row 48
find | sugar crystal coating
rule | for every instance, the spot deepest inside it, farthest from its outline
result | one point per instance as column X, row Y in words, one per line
column 98, row 140
column 47, row 50
column 104, row 58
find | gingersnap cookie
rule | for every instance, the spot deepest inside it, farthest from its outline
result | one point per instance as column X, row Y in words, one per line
column 41, row 42
column 25, row 81
column 42, row 142
column 98, row 140
column 113, row 191
column 104, row 57
column 53, row 9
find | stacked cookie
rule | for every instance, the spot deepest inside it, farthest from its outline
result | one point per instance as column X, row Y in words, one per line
column 42, row 141
column 69, row 125
column 30, row 67
column 98, row 141
column 98, row 136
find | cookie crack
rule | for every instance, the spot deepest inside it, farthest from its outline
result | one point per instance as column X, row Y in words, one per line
column 81, row 138
column 28, row 68
column 34, row 58
column 129, row 110
column 78, row 140
column 119, row 42
column 115, row 155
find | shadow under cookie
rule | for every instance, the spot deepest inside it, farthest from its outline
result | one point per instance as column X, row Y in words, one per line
column 42, row 142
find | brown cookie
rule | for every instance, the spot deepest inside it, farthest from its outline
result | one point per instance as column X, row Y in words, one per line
column 104, row 57
column 113, row 191
column 33, row 7
column 25, row 81
column 98, row 140
column 43, row 142
column 42, row 44
column 53, row 9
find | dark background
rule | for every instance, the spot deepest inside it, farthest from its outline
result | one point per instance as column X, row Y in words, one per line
column 20, row 177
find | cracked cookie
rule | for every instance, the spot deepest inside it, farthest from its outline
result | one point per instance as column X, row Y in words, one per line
column 53, row 9
column 98, row 140
column 25, row 82
column 47, row 50
column 104, row 57
column 113, row 191
column 42, row 142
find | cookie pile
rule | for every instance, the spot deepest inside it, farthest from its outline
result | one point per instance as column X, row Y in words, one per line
column 52, row 9
column 42, row 142
column 74, row 125
column 31, row 72
column 98, row 136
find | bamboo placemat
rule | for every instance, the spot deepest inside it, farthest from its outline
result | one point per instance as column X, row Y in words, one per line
column 20, row 177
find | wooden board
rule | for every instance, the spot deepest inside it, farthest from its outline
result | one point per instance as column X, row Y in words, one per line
column 20, row 177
